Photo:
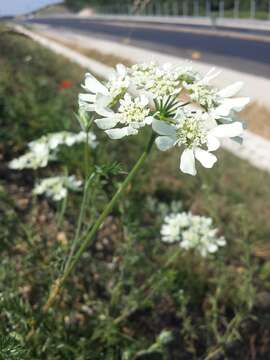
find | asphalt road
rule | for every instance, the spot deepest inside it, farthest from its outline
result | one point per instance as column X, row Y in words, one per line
column 238, row 50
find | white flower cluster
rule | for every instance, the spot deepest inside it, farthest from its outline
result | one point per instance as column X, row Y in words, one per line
column 52, row 141
column 180, row 105
column 44, row 149
column 192, row 232
column 57, row 187
column 37, row 157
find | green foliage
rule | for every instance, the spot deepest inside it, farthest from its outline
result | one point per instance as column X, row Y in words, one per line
column 131, row 296
column 120, row 5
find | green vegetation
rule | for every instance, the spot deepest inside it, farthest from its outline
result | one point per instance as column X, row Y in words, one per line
column 123, row 301
column 167, row 7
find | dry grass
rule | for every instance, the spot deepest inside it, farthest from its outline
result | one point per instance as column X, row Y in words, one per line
column 108, row 59
column 258, row 119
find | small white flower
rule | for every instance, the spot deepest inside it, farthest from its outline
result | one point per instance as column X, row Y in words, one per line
column 97, row 94
column 192, row 232
column 219, row 102
column 34, row 159
column 160, row 81
column 54, row 140
column 118, row 81
column 57, row 187
column 45, row 149
column 170, row 230
column 133, row 114
column 194, row 131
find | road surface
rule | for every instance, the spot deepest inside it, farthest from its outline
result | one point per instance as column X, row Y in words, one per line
column 242, row 50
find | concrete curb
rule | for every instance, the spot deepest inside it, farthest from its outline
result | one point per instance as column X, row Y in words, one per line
column 255, row 149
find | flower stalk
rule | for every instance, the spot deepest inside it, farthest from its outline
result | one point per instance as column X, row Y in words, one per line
column 87, row 238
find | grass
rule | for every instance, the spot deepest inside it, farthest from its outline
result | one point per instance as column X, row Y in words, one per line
column 210, row 307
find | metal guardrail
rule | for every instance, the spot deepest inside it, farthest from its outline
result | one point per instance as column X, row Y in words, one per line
column 198, row 8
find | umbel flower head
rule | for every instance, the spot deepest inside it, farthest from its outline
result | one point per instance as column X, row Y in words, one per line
column 198, row 134
column 192, row 232
column 44, row 149
column 182, row 106
column 57, row 187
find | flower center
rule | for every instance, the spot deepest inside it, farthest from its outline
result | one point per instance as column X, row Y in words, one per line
column 191, row 133
column 132, row 111
column 204, row 95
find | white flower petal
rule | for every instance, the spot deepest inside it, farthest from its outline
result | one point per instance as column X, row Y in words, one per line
column 210, row 75
column 148, row 120
column 94, row 86
column 116, row 134
column 163, row 128
column 86, row 106
column 187, row 162
column 205, row 157
column 212, row 143
column 144, row 100
column 121, row 70
column 87, row 97
column 164, row 143
column 106, row 123
column 227, row 130
column 236, row 104
column 231, row 90
column 101, row 105
column 212, row 248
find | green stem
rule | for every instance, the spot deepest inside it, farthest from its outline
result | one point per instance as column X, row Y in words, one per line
column 86, row 155
column 62, row 211
column 63, row 205
column 90, row 233
column 80, row 220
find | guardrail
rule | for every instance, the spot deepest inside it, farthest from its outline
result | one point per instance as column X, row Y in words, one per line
column 198, row 8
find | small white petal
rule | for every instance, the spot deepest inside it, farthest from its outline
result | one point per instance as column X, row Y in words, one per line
column 116, row 134
column 212, row 143
column 231, row 90
column 236, row 104
column 210, row 75
column 87, row 97
column 106, row 123
column 163, row 128
column 144, row 100
column 121, row 69
column 227, row 130
column 164, row 143
column 205, row 158
column 148, row 120
column 101, row 105
column 187, row 162
column 94, row 86
column 212, row 248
